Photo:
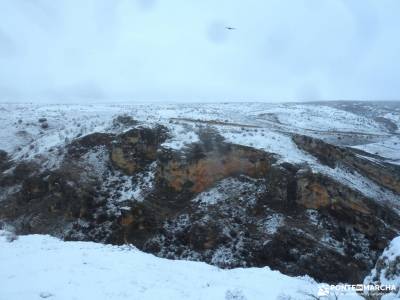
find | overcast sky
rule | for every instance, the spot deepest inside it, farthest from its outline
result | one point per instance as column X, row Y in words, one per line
column 180, row 50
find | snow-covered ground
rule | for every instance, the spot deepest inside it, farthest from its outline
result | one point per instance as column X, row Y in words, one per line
column 314, row 117
column 387, row 270
column 43, row 267
column 388, row 148
column 264, row 126
column 50, row 268
column 261, row 125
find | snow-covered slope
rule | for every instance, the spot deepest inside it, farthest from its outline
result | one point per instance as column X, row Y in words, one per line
column 77, row 145
column 263, row 126
column 38, row 267
column 387, row 270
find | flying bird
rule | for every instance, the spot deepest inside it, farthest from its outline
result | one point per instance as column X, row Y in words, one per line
column 230, row 28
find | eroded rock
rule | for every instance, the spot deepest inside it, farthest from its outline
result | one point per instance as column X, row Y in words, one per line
column 386, row 175
column 225, row 204
column 136, row 148
column 201, row 171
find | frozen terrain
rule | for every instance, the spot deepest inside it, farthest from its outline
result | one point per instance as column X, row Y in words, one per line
column 34, row 131
column 42, row 267
column 309, row 188
column 261, row 125
column 387, row 270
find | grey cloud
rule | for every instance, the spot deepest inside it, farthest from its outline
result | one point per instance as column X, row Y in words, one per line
column 180, row 50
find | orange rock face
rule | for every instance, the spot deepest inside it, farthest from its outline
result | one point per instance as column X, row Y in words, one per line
column 203, row 173
column 127, row 220
column 315, row 195
column 134, row 149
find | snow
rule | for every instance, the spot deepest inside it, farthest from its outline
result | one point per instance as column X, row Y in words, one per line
column 361, row 184
column 273, row 223
column 389, row 275
column 127, row 188
column 388, row 148
column 38, row 267
column 314, row 117
column 269, row 141
column 228, row 188
column 21, row 133
column 89, row 270
column 181, row 136
column 264, row 126
column 393, row 250
column 395, row 117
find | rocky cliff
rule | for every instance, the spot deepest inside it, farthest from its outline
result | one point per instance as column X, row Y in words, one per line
column 212, row 200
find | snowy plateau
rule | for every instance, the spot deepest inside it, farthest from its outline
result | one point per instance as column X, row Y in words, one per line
column 199, row 201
